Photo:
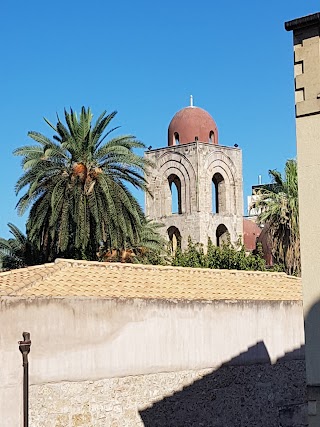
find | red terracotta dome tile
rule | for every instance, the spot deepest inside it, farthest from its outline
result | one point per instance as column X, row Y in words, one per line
column 191, row 123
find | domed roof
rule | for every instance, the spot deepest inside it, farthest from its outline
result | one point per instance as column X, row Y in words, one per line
column 191, row 123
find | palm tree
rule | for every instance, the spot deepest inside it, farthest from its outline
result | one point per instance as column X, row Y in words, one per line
column 76, row 186
column 148, row 248
column 279, row 207
column 17, row 251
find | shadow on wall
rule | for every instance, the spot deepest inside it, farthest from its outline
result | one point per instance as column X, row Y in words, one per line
column 239, row 395
column 312, row 337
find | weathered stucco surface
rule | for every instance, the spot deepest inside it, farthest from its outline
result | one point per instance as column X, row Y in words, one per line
column 77, row 340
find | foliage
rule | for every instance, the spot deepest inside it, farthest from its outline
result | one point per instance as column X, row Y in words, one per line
column 278, row 203
column 148, row 248
column 17, row 251
column 224, row 257
column 76, row 186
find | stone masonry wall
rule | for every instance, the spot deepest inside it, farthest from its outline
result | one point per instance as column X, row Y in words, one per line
column 194, row 166
column 261, row 395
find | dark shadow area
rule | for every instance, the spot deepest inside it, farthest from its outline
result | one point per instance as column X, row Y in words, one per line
column 312, row 339
column 247, row 391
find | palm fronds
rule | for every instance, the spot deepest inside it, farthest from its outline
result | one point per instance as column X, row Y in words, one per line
column 278, row 204
column 18, row 251
column 76, row 186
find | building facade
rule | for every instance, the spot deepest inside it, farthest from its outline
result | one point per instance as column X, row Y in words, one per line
column 129, row 345
column 196, row 184
column 306, row 46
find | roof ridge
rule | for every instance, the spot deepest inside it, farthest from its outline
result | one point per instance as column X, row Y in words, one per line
column 51, row 268
column 175, row 268
column 149, row 267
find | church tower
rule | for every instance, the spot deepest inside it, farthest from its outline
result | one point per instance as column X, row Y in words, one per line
column 196, row 184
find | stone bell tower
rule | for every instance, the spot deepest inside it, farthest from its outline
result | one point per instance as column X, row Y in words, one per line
column 206, row 179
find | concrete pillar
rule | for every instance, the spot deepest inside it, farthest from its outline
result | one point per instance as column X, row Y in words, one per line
column 306, row 39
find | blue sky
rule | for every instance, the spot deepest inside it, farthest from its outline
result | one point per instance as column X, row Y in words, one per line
column 144, row 59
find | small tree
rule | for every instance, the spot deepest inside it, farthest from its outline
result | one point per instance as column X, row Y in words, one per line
column 279, row 207
column 224, row 257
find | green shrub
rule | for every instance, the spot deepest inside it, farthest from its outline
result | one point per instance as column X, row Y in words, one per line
column 224, row 257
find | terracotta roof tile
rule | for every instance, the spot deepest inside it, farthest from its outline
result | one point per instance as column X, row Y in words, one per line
column 67, row 278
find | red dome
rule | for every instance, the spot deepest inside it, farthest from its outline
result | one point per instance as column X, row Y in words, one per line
column 191, row 123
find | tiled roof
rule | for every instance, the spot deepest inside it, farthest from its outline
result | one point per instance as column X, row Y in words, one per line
column 67, row 278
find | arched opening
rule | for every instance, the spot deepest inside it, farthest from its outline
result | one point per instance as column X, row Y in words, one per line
column 176, row 139
column 222, row 235
column 175, row 188
column 174, row 239
column 211, row 137
column 218, row 193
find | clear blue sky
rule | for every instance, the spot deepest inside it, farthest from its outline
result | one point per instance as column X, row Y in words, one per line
column 144, row 59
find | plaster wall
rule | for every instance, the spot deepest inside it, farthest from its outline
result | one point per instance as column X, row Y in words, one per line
column 308, row 150
column 306, row 32
column 89, row 339
column 307, row 99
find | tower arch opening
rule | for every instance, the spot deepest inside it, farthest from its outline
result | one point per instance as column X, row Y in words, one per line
column 176, row 138
column 174, row 239
column 218, row 194
column 222, row 235
column 211, row 137
column 175, row 188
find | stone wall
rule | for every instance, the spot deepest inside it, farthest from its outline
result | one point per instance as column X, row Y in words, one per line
column 261, row 395
column 78, row 343
column 194, row 165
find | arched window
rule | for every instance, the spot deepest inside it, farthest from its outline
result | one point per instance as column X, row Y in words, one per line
column 222, row 235
column 175, row 188
column 176, row 139
column 211, row 137
column 174, row 238
column 218, row 194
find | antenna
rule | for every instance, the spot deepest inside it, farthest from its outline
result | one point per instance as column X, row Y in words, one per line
column 191, row 101
column 259, row 179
